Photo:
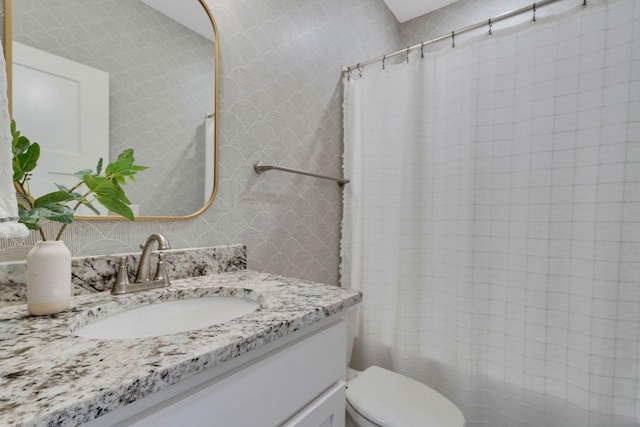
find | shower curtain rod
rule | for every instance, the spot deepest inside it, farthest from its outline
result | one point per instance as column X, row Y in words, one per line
column 531, row 8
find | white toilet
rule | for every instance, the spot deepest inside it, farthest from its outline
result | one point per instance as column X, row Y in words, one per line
column 377, row 397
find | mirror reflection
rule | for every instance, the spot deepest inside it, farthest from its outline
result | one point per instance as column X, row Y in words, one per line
column 94, row 77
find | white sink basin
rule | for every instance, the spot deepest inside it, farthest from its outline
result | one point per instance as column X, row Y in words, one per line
column 169, row 317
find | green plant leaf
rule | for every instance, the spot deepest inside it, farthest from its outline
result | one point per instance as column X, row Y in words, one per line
column 90, row 206
column 53, row 198
column 99, row 167
column 128, row 153
column 110, row 195
column 20, row 144
column 98, row 184
column 124, row 167
column 18, row 173
column 78, row 198
column 83, row 172
column 57, row 213
column 74, row 195
column 117, row 206
column 30, row 218
column 29, row 159
column 105, row 187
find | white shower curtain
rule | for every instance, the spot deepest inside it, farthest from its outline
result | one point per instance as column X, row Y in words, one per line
column 493, row 219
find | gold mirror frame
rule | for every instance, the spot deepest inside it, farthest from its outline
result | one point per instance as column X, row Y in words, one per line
column 8, row 38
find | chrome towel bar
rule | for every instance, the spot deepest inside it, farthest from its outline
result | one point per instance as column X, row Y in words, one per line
column 259, row 168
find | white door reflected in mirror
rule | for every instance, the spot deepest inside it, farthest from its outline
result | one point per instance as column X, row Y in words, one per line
column 63, row 105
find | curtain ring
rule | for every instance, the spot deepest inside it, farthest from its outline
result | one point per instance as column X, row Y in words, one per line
column 453, row 39
column 584, row 3
column 422, row 50
column 490, row 28
column 408, row 50
column 534, row 13
column 348, row 73
column 384, row 59
column 359, row 69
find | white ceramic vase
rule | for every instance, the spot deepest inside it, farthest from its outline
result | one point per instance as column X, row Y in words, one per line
column 48, row 278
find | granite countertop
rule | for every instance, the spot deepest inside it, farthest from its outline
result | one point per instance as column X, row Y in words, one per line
column 49, row 376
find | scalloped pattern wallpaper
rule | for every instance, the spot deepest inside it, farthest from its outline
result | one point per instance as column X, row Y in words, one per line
column 154, row 109
column 281, row 102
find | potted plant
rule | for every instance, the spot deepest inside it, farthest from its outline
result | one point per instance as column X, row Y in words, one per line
column 49, row 262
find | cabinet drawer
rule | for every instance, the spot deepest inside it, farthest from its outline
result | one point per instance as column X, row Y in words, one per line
column 327, row 410
column 264, row 392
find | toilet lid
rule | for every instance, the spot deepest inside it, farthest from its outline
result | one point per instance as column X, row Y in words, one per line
column 393, row 400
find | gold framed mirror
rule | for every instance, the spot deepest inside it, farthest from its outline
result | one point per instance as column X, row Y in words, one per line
column 160, row 61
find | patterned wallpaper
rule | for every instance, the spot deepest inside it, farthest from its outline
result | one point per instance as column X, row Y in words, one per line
column 281, row 102
column 281, row 99
column 161, row 87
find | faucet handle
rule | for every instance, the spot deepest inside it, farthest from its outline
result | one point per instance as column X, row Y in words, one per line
column 161, row 271
column 122, row 278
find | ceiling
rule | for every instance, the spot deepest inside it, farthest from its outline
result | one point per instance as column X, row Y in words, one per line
column 405, row 10
column 189, row 14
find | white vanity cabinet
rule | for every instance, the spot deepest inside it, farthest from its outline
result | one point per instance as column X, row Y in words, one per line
column 295, row 381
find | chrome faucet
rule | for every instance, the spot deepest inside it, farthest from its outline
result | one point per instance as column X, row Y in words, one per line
column 143, row 281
